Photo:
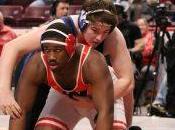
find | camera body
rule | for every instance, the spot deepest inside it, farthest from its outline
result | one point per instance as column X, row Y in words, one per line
column 161, row 16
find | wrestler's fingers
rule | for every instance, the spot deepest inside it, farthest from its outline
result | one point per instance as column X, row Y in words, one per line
column 15, row 112
column 3, row 110
column 8, row 111
column 18, row 108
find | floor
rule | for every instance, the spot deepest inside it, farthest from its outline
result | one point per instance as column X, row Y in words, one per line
column 145, row 122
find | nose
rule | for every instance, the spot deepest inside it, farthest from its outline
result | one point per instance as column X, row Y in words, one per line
column 99, row 37
column 65, row 12
column 51, row 55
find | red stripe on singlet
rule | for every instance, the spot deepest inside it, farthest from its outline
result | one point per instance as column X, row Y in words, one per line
column 119, row 124
column 51, row 121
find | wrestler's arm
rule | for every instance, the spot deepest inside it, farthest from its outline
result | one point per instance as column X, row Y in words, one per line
column 97, row 74
column 32, row 76
column 115, row 46
column 12, row 52
column 15, row 49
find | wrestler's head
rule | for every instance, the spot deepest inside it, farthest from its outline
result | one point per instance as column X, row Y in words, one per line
column 58, row 45
column 60, row 8
column 96, row 20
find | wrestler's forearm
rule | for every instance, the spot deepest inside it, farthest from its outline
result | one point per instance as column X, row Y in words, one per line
column 104, row 121
column 12, row 52
column 8, row 60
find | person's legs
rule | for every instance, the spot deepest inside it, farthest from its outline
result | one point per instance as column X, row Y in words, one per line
column 158, row 106
column 119, row 115
column 58, row 112
column 119, row 110
column 161, row 84
column 162, row 91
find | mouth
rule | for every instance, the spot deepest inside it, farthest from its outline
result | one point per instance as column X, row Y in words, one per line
column 53, row 65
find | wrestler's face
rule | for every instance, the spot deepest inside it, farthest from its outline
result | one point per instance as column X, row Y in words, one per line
column 57, row 56
column 96, row 32
column 62, row 9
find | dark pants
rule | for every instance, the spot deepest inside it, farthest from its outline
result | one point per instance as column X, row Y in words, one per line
column 170, row 98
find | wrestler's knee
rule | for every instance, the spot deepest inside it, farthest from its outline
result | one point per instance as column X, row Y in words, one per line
column 50, row 123
column 119, row 125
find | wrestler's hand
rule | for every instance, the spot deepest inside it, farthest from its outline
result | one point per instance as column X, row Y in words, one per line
column 8, row 105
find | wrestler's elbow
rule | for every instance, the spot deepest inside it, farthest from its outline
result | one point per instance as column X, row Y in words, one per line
column 130, row 84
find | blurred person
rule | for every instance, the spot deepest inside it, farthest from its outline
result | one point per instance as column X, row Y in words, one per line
column 163, row 104
column 89, row 79
column 6, row 33
column 59, row 8
column 91, row 27
column 148, row 40
column 41, row 3
column 142, row 9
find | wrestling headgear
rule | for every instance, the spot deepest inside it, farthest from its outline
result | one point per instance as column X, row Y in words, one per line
column 94, row 10
column 82, row 19
column 59, row 33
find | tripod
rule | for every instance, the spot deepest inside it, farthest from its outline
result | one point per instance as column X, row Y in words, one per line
column 158, row 50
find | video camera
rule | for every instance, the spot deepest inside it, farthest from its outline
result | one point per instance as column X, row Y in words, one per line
column 162, row 16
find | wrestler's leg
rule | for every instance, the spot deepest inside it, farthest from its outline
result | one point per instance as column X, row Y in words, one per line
column 119, row 115
column 25, row 96
column 129, row 106
column 58, row 113
column 119, row 109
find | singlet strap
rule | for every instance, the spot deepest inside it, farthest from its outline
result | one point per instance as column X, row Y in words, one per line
column 80, row 82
